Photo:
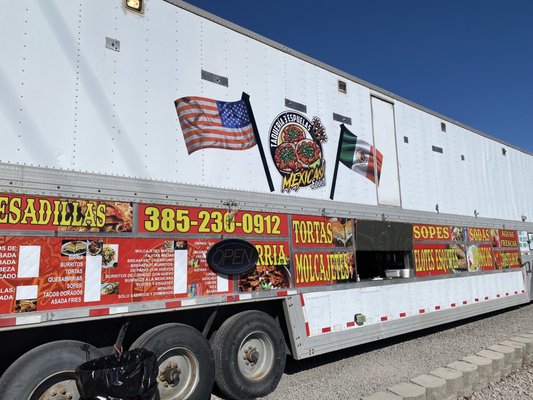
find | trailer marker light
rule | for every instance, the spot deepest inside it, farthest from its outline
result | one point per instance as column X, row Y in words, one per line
column 134, row 5
column 8, row 322
column 173, row 304
column 98, row 311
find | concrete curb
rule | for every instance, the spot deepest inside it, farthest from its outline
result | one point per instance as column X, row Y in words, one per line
column 470, row 376
column 463, row 377
column 454, row 381
column 484, row 368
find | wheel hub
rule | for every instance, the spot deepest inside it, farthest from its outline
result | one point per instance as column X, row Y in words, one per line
column 170, row 375
column 251, row 356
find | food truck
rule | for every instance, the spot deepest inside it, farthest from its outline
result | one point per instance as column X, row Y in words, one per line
column 235, row 201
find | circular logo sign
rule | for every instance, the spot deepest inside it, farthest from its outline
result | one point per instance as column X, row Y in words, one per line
column 296, row 148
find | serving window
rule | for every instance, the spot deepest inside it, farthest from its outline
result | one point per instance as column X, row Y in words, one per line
column 383, row 249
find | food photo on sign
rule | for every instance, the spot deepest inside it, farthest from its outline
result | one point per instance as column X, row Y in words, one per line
column 342, row 230
column 272, row 270
column 110, row 256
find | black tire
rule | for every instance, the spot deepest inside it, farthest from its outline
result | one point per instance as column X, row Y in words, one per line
column 181, row 351
column 47, row 368
column 249, row 351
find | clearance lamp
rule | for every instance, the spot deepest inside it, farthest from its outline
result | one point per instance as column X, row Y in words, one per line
column 134, row 5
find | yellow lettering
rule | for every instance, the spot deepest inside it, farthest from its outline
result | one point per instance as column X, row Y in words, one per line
column 29, row 213
column 45, row 212
column 15, row 210
column 3, row 213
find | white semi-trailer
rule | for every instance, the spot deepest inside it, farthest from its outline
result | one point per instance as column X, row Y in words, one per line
column 235, row 201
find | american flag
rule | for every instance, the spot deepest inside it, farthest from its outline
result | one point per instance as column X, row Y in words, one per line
column 208, row 123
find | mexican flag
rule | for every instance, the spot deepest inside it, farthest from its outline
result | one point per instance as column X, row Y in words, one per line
column 359, row 155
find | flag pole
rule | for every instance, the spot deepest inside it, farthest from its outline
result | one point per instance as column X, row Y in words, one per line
column 339, row 147
column 246, row 99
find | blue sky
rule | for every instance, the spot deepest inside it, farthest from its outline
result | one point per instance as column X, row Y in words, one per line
column 471, row 60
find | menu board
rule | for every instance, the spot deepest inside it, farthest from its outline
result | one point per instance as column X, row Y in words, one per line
column 450, row 249
column 96, row 253
column 46, row 273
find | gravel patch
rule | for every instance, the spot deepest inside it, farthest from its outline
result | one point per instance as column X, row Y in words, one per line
column 516, row 386
column 359, row 371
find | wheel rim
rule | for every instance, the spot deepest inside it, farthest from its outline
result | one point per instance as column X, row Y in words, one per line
column 179, row 374
column 256, row 356
column 59, row 386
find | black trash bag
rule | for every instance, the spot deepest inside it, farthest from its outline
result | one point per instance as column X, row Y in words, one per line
column 129, row 375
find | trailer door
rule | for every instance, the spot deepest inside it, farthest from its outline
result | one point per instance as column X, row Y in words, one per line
column 388, row 190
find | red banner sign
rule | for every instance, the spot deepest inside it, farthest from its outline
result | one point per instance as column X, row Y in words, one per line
column 39, row 213
column 431, row 259
column 273, row 269
column 431, row 232
column 322, row 268
column 46, row 273
column 439, row 259
column 171, row 219
column 309, row 231
column 478, row 234
column 504, row 259
column 503, row 238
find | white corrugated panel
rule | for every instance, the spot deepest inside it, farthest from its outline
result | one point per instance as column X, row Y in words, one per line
column 343, row 307
column 397, row 298
column 385, row 142
column 415, row 160
column 37, row 82
column 374, row 304
column 317, row 311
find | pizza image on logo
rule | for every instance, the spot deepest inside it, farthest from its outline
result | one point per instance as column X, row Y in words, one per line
column 285, row 157
column 293, row 133
column 296, row 148
column 308, row 152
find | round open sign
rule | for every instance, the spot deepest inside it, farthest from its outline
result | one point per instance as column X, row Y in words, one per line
column 232, row 256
